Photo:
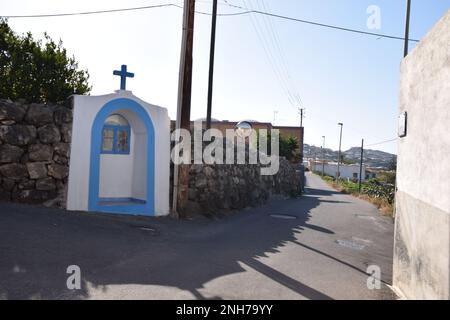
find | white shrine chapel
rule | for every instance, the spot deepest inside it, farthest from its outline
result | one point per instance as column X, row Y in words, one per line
column 120, row 154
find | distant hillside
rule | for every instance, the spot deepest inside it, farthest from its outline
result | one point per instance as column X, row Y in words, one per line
column 372, row 158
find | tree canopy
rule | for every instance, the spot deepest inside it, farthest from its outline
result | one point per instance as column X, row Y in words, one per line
column 36, row 70
column 288, row 145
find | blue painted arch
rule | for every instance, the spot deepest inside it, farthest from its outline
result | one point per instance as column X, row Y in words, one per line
column 94, row 202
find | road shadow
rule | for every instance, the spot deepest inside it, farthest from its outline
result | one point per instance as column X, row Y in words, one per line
column 38, row 244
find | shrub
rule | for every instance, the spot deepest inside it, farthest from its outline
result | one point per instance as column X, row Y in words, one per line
column 37, row 71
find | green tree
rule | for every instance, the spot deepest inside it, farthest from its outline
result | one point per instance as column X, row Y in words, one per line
column 288, row 145
column 37, row 71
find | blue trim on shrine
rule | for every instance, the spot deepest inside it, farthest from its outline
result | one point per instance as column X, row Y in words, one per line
column 142, row 207
column 120, row 202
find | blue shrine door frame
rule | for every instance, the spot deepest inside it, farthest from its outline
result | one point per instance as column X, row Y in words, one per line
column 146, row 207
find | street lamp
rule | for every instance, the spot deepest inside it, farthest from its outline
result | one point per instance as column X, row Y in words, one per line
column 339, row 153
column 323, row 156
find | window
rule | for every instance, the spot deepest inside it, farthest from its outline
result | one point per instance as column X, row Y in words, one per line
column 355, row 175
column 116, row 135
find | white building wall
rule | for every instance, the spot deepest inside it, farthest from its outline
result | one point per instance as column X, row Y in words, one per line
column 422, row 230
column 346, row 171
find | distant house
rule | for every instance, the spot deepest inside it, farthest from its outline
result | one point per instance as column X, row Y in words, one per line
column 373, row 173
column 223, row 125
column 285, row 131
column 347, row 171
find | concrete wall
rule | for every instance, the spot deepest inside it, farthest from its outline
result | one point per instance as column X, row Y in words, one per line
column 422, row 237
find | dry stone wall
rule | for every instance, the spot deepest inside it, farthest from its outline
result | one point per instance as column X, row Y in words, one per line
column 34, row 152
column 225, row 187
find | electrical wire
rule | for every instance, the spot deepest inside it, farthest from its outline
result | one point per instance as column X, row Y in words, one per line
column 382, row 142
column 206, row 13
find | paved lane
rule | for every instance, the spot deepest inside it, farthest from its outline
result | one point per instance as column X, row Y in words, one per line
column 321, row 251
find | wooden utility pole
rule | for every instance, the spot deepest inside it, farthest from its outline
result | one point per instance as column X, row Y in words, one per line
column 211, row 63
column 323, row 156
column 360, row 165
column 302, row 133
column 338, row 174
column 181, row 172
column 301, row 117
column 408, row 15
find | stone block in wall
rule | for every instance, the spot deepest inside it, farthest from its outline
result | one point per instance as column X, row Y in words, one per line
column 49, row 134
column 208, row 171
column 40, row 152
column 62, row 149
column 37, row 170
column 46, row 184
column 33, row 196
column 10, row 153
column 14, row 171
column 39, row 114
column 192, row 194
column 18, row 134
column 5, row 195
column 58, row 171
column 10, row 111
column 66, row 132
column 60, row 159
column 62, row 115
column 200, row 182
column 25, row 184
column 8, row 183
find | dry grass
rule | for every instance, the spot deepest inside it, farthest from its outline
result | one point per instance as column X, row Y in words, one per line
column 383, row 205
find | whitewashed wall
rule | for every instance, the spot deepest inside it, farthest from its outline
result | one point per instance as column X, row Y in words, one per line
column 84, row 113
column 346, row 170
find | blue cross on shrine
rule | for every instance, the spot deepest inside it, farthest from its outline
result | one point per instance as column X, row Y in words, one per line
column 123, row 76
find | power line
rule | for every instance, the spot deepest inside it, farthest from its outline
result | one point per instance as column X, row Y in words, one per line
column 207, row 13
column 273, row 56
column 269, row 56
column 92, row 12
column 319, row 24
column 50, row 15
column 382, row 142
column 276, row 44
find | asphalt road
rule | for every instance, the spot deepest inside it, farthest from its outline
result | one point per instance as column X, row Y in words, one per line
column 321, row 252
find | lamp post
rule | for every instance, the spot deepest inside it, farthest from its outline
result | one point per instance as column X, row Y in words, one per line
column 323, row 156
column 338, row 174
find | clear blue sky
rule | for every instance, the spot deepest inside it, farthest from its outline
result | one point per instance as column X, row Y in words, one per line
column 341, row 77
